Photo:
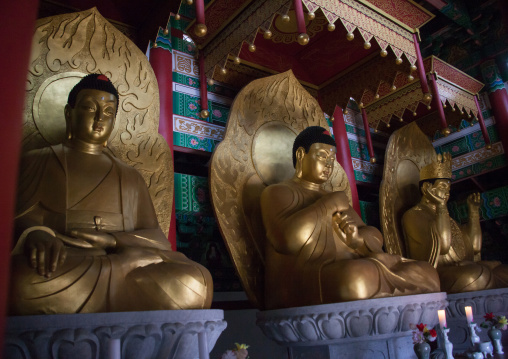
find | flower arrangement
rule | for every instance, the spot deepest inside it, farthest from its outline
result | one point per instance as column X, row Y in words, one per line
column 494, row 321
column 239, row 353
column 422, row 334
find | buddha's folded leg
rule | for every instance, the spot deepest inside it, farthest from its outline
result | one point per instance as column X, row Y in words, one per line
column 175, row 283
column 366, row 278
column 80, row 285
column 466, row 278
column 501, row 275
column 349, row 279
column 418, row 277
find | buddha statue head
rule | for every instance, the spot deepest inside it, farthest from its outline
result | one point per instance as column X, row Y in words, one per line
column 435, row 179
column 314, row 155
column 91, row 110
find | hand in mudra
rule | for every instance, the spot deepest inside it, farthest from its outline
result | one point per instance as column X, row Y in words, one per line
column 96, row 239
column 345, row 227
column 474, row 201
column 45, row 252
column 438, row 198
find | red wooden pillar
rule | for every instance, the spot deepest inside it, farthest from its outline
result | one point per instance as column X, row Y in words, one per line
column 200, row 29
column 366, row 127
column 303, row 38
column 344, row 155
column 16, row 17
column 498, row 100
column 420, row 68
column 162, row 64
column 203, row 89
column 437, row 102
column 485, row 134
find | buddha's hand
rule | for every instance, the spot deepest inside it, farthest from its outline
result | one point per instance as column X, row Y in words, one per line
column 95, row 238
column 347, row 230
column 473, row 202
column 437, row 198
column 46, row 252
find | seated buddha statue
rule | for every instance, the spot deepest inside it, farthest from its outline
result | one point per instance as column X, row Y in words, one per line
column 431, row 235
column 88, row 239
column 318, row 248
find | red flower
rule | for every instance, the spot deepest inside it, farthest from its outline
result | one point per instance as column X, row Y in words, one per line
column 102, row 78
column 433, row 333
column 421, row 326
column 489, row 316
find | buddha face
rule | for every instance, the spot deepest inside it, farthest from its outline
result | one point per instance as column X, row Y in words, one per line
column 93, row 116
column 439, row 191
column 317, row 164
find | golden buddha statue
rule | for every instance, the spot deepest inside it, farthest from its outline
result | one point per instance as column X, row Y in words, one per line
column 88, row 237
column 315, row 237
column 431, row 235
column 292, row 235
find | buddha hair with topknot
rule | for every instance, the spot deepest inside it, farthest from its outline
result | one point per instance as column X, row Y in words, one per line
column 309, row 136
column 93, row 82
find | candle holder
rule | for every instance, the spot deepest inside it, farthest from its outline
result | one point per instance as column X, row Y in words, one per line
column 475, row 339
column 444, row 343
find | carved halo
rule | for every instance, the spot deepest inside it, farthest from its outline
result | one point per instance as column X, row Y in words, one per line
column 266, row 116
column 407, row 152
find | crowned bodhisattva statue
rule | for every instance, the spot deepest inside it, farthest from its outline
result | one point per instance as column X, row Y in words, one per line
column 319, row 250
column 88, row 239
column 431, row 235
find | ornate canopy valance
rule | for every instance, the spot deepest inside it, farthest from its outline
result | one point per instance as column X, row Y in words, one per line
column 455, row 89
column 231, row 24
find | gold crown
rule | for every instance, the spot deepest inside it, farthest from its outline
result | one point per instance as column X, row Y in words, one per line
column 440, row 168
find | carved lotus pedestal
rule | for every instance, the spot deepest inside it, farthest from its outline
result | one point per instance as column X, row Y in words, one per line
column 484, row 301
column 168, row 334
column 374, row 328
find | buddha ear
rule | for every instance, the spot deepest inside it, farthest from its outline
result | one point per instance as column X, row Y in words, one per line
column 425, row 187
column 300, row 153
column 67, row 114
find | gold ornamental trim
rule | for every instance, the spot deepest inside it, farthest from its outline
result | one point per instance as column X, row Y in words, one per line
column 456, row 97
column 365, row 166
column 185, row 64
column 477, row 156
column 370, row 23
column 243, row 28
column 395, row 104
column 198, row 128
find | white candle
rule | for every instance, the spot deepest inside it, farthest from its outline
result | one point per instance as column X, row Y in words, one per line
column 469, row 314
column 442, row 318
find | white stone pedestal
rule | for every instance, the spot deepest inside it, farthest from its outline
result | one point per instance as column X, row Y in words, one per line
column 168, row 334
column 374, row 328
column 482, row 302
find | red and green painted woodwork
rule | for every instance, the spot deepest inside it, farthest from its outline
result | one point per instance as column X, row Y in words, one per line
column 498, row 97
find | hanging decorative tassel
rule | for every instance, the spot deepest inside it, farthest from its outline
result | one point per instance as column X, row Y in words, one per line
column 437, row 102
column 200, row 29
column 485, row 134
column 367, row 136
column 303, row 38
column 202, row 86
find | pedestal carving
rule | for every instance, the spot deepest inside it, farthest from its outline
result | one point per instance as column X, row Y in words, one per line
column 154, row 334
column 381, row 325
column 482, row 302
